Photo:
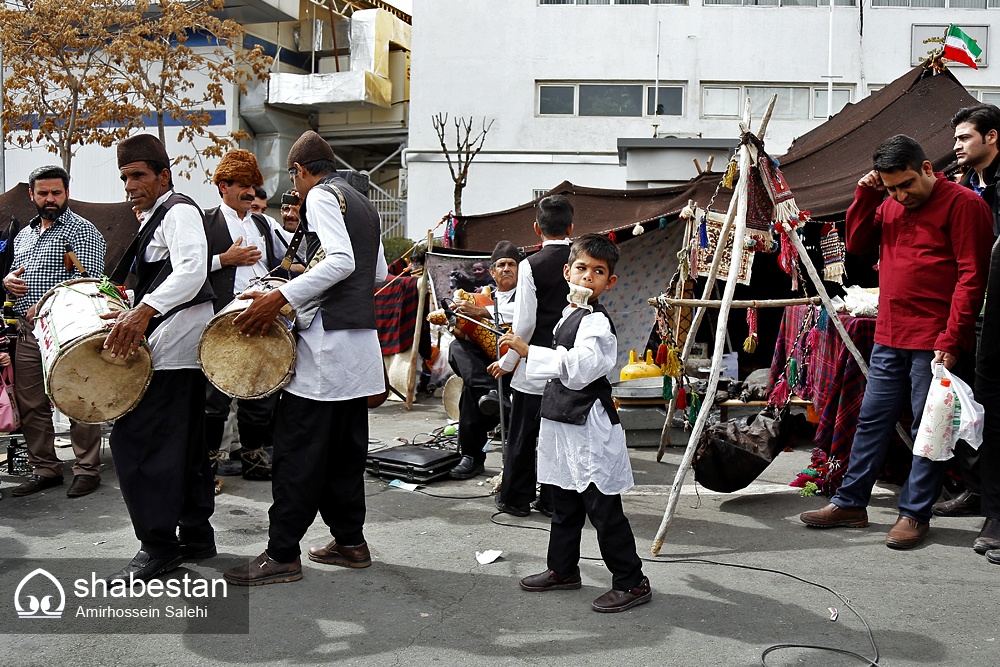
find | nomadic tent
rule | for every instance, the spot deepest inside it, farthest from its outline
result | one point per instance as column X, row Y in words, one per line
column 821, row 167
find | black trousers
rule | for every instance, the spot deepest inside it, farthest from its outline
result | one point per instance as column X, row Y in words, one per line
column 988, row 392
column 968, row 458
column 470, row 362
column 570, row 509
column 519, row 468
column 162, row 463
column 253, row 418
column 320, row 449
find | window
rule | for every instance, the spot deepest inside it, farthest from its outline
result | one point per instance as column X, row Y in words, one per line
column 613, row 2
column 841, row 98
column 793, row 103
column 987, row 96
column 536, row 193
column 611, row 99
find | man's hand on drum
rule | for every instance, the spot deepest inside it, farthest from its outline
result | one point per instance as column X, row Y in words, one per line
column 240, row 255
column 126, row 335
column 259, row 316
column 14, row 285
column 471, row 310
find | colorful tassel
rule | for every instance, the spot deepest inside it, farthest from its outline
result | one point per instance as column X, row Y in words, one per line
column 812, row 338
column 781, row 393
column 703, row 237
column 668, row 387
column 730, row 175
column 824, row 319
column 810, row 489
column 663, row 223
column 793, row 373
column 672, row 366
column 661, row 354
column 681, row 398
column 750, row 344
column 637, row 230
column 788, row 259
column 612, row 237
column 695, row 408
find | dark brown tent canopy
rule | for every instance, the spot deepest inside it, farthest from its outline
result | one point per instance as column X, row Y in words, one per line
column 116, row 222
column 821, row 167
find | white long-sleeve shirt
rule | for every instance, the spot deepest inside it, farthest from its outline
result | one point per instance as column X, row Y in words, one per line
column 525, row 318
column 341, row 364
column 573, row 456
column 181, row 237
column 247, row 229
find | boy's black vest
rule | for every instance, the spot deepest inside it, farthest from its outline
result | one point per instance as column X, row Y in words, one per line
column 564, row 405
column 350, row 304
column 149, row 275
column 551, row 290
column 219, row 241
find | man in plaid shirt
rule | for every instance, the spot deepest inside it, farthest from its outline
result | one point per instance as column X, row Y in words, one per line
column 39, row 265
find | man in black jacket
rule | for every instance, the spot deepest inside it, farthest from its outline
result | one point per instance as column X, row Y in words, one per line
column 977, row 147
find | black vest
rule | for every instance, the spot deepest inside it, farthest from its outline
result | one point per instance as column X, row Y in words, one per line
column 350, row 304
column 149, row 275
column 219, row 241
column 551, row 290
column 560, row 404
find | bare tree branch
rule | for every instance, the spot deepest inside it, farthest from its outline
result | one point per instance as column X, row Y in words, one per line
column 466, row 149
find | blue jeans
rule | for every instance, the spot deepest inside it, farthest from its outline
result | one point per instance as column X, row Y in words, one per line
column 895, row 376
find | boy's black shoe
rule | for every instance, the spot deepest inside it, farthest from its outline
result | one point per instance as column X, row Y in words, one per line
column 510, row 509
column 613, row 600
column 550, row 581
column 539, row 506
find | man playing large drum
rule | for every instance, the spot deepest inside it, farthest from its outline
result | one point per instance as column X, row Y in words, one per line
column 39, row 265
column 321, row 431
column 158, row 447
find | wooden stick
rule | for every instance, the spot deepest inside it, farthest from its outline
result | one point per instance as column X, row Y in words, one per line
column 720, row 333
column 411, row 375
column 708, row 165
column 696, row 165
column 714, row 303
column 835, row 318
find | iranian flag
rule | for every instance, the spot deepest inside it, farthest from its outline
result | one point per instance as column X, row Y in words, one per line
column 960, row 47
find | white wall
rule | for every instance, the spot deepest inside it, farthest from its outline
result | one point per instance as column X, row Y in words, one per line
column 486, row 63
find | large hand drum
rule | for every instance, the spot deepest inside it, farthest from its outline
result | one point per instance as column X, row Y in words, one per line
column 82, row 378
column 244, row 367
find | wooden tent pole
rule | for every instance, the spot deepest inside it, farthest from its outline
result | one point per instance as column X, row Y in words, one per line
column 720, row 334
column 706, row 293
column 411, row 375
column 709, row 303
column 835, row 318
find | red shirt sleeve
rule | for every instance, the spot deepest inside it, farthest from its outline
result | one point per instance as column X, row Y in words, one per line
column 864, row 220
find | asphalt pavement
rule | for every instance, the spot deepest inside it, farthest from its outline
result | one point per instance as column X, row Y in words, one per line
column 426, row 600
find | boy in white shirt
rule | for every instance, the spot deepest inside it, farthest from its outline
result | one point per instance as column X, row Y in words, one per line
column 581, row 445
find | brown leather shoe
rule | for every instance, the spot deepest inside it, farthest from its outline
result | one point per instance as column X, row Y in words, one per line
column 964, row 504
column 613, row 600
column 989, row 537
column 337, row 554
column 550, row 581
column 834, row 515
column 264, row 570
column 907, row 533
column 82, row 485
column 35, row 484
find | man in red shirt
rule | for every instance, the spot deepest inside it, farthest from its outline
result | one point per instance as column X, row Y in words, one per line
column 934, row 238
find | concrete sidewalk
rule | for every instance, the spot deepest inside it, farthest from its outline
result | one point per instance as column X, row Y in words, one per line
column 426, row 600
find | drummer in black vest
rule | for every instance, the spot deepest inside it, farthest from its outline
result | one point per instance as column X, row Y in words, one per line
column 581, row 449
column 478, row 414
column 541, row 297
column 243, row 248
column 160, row 457
column 321, row 426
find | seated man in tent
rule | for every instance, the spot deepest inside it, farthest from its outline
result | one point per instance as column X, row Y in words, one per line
column 479, row 406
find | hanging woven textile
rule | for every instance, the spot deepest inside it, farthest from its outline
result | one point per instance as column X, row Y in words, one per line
column 834, row 252
column 760, row 213
column 713, row 228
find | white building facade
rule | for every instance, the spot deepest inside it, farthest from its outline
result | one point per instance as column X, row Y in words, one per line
column 565, row 80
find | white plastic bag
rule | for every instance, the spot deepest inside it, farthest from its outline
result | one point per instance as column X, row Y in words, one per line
column 970, row 413
column 935, row 438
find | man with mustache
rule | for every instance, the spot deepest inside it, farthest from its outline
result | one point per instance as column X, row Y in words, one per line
column 40, row 264
column 242, row 248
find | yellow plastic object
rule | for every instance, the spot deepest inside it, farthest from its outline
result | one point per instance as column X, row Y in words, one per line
column 640, row 369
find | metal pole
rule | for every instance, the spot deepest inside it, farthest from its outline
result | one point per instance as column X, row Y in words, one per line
column 829, row 68
column 500, row 392
column 656, row 86
column 3, row 157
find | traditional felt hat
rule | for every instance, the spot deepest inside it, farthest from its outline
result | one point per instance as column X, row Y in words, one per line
column 238, row 166
column 141, row 147
column 505, row 250
column 309, row 148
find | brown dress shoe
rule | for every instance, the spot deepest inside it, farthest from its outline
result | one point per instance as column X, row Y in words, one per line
column 35, row 484
column 82, row 485
column 989, row 537
column 964, row 504
column 264, row 570
column 907, row 533
column 337, row 554
column 550, row 581
column 834, row 515
column 613, row 600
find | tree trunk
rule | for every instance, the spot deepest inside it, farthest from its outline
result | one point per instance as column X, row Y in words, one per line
column 458, row 198
column 159, row 127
